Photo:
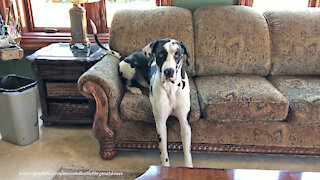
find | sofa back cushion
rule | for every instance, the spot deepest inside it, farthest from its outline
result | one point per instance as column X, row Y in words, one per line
column 231, row 40
column 132, row 30
column 295, row 41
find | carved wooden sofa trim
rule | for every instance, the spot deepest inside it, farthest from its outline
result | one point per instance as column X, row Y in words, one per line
column 100, row 128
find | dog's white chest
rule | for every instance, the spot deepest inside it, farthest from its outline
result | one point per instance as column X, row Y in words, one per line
column 164, row 91
column 171, row 90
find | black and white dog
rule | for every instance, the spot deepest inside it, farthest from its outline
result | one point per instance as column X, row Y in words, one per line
column 170, row 93
column 159, row 67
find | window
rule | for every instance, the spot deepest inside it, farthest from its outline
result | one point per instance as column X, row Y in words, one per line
column 47, row 13
column 113, row 6
column 39, row 15
column 265, row 5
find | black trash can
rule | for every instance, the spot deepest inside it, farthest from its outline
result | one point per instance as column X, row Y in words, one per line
column 18, row 109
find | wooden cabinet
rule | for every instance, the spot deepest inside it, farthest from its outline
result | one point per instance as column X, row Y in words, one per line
column 57, row 69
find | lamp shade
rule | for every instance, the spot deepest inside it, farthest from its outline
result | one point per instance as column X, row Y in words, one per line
column 83, row 1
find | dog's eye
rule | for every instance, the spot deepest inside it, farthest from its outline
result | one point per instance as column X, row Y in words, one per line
column 176, row 55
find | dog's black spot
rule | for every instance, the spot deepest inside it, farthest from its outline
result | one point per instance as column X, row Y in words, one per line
column 153, row 70
column 159, row 138
column 124, row 80
column 145, row 53
column 179, row 84
column 161, row 57
column 167, row 160
column 185, row 51
column 160, row 52
column 112, row 52
column 127, row 60
column 122, row 58
column 178, row 56
column 160, row 152
column 151, row 90
column 135, row 83
column 187, row 61
column 183, row 73
column 183, row 84
column 132, row 65
column 120, row 73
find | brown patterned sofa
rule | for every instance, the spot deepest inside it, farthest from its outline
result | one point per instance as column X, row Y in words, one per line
column 255, row 85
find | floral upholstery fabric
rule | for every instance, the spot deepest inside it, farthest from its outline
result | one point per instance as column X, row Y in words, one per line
column 231, row 40
column 303, row 94
column 236, row 109
column 132, row 30
column 240, row 98
column 295, row 42
column 138, row 107
column 105, row 73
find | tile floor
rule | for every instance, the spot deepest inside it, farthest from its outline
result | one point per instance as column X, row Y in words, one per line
column 76, row 147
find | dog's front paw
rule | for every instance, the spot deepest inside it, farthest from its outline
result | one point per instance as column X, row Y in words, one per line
column 189, row 165
column 166, row 164
column 135, row 90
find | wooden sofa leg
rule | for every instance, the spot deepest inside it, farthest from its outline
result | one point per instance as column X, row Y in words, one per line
column 100, row 128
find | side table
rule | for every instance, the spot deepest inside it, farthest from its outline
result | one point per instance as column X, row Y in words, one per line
column 57, row 69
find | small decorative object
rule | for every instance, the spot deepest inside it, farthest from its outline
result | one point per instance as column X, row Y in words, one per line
column 10, row 30
column 6, row 40
column 79, row 23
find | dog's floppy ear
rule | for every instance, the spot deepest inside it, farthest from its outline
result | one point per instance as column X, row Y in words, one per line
column 185, row 51
column 149, row 51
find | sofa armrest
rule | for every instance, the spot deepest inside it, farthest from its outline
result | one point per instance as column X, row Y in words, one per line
column 105, row 74
column 103, row 83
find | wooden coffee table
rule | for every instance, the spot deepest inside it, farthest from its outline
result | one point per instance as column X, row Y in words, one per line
column 177, row 173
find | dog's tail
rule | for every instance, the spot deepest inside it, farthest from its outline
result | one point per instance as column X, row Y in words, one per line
column 106, row 49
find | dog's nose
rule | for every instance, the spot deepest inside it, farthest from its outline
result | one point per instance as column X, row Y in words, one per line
column 168, row 72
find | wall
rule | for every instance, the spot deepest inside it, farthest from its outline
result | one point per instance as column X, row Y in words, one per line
column 194, row 4
column 20, row 67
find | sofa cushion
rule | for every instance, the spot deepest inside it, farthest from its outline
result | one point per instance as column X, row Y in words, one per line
column 132, row 30
column 295, row 41
column 240, row 98
column 136, row 107
column 303, row 94
column 231, row 40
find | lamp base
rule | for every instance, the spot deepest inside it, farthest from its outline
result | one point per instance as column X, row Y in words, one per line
column 78, row 26
column 85, row 42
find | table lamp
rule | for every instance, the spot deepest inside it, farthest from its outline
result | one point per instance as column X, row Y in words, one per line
column 79, row 23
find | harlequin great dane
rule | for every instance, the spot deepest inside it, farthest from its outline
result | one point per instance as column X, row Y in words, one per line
column 170, row 92
column 160, row 69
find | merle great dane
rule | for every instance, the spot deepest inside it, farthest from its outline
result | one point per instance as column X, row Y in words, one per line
column 159, row 67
